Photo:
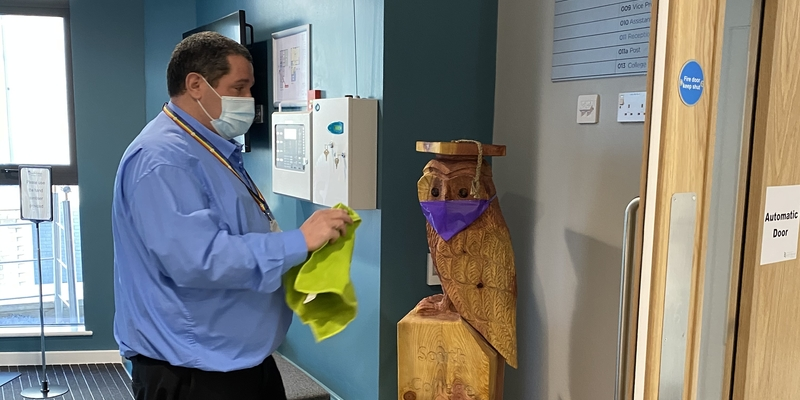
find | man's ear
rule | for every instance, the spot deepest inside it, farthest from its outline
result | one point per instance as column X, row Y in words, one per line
column 194, row 85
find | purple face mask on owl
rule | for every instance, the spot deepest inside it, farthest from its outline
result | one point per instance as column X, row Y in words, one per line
column 450, row 217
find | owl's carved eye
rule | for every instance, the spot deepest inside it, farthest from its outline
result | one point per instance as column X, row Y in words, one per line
column 463, row 193
column 435, row 192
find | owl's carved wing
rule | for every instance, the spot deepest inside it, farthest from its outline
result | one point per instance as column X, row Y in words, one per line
column 477, row 271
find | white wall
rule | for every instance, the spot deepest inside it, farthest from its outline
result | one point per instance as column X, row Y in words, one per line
column 563, row 188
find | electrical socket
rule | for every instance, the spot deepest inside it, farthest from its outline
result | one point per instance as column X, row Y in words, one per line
column 632, row 107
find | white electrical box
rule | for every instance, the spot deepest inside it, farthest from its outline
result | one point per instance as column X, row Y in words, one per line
column 345, row 152
column 291, row 154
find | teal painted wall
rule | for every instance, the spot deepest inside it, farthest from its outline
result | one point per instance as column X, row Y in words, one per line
column 164, row 24
column 439, row 74
column 108, row 72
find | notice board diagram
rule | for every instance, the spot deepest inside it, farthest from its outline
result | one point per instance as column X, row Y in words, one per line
column 291, row 66
column 600, row 38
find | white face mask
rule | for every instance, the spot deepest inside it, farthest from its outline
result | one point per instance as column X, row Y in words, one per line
column 236, row 116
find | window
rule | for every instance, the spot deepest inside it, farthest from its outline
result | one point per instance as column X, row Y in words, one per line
column 37, row 128
column 62, row 273
column 36, row 124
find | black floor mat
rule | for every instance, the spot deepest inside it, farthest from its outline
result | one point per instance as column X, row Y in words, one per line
column 85, row 381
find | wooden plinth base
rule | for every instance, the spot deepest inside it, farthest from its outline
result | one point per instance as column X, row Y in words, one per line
column 443, row 358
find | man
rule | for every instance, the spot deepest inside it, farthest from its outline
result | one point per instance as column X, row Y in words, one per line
column 198, row 256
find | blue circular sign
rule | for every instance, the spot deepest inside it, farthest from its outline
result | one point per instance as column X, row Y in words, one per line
column 691, row 83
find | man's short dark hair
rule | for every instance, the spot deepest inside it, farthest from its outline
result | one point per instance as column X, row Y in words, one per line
column 205, row 53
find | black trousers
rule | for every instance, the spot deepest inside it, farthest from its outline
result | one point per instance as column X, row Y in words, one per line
column 158, row 380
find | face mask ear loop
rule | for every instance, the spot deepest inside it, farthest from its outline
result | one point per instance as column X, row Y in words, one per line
column 204, row 109
column 476, row 182
column 211, row 87
column 201, row 104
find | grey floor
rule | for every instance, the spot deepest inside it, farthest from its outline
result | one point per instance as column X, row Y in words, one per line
column 86, row 381
column 299, row 386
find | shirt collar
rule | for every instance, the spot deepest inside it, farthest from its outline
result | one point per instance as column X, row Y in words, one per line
column 225, row 147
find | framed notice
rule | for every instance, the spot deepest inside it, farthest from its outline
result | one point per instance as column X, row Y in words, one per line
column 36, row 193
column 291, row 66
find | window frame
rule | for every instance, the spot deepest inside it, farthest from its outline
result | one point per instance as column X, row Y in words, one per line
column 63, row 175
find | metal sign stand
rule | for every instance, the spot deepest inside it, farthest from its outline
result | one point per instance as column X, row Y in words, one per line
column 36, row 200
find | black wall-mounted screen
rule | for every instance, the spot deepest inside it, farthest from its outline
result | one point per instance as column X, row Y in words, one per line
column 232, row 25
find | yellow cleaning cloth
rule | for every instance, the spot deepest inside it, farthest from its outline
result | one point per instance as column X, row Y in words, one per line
column 319, row 291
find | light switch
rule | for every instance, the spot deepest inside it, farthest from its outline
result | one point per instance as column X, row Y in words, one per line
column 432, row 276
column 588, row 108
column 632, row 107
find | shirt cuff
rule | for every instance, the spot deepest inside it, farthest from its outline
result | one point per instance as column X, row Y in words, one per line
column 295, row 248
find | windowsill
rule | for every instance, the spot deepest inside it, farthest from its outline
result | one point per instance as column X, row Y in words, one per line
column 49, row 331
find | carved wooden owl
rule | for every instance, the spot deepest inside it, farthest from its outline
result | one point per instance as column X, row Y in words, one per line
column 476, row 265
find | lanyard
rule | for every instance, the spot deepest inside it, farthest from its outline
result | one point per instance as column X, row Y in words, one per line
column 254, row 192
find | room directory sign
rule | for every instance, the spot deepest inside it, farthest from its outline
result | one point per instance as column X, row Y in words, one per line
column 600, row 38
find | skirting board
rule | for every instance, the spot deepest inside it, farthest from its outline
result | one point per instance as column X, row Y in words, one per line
column 61, row 357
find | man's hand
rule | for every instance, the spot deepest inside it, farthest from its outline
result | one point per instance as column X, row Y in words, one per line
column 325, row 226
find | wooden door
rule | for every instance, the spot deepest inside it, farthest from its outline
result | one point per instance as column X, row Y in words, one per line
column 686, row 37
column 767, row 359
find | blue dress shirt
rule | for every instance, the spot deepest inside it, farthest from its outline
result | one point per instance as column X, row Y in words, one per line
column 197, row 271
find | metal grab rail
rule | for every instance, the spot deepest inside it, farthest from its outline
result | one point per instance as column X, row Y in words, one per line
column 628, row 239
